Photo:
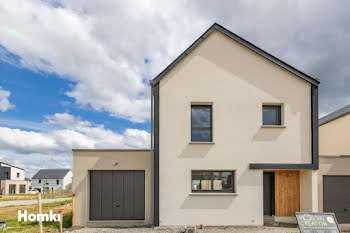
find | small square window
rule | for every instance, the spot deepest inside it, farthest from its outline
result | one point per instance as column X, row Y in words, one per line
column 201, row 123
column 272, row 115
column 213, row 181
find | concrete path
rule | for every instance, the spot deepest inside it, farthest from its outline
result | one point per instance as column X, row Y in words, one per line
column 31, row 202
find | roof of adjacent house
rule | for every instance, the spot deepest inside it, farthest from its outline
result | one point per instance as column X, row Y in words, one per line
column 335, row 115
column 51, row 174
column 11, row 165
column 242, row 41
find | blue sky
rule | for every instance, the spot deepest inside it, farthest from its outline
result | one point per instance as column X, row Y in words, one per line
column 38, row 94
column 75, row 74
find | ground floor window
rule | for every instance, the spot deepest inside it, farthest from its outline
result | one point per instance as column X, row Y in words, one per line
column 213, row 181
column 12, row 189
column 22, row 188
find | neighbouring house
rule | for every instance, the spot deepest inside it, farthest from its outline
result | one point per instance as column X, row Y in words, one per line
column 234, row 138
column 334, row 173
column 12, row 180
column 47, row 180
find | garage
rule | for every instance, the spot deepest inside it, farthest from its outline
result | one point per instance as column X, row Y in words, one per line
column 336, row 197
column 117, row 195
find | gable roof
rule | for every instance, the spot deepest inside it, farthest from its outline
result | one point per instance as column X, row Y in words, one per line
column 51, row 174
column 242, row 41
column 335, row 115
column 11, row 165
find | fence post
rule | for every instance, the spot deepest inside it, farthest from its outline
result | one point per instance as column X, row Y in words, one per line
column 61, row 221
column 73, row 210
column 40, row 212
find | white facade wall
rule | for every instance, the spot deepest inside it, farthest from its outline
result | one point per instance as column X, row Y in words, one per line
column 237, row 82
column 14, row 172
column 52, row 183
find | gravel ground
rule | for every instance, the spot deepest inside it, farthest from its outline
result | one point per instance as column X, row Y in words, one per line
column 179, row 230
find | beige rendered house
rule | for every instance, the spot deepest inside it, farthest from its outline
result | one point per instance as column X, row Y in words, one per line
column 234, row 139
column 334, row 173
column 12, row 180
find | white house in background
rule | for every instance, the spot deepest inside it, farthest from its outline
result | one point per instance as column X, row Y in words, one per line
column 12, row 179
column 52, row 179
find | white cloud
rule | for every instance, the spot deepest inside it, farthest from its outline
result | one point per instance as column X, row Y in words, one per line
column 4, row 100
column 43, row 148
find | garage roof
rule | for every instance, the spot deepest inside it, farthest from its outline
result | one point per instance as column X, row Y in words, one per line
column 335, row 115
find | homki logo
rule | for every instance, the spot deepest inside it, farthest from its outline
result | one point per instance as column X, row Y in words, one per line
column 50, row 217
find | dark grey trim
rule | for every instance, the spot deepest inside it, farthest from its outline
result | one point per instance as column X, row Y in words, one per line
column 334, row 156
column 314, row 125
column 156, row 155
column 314, row 165
column 126, row 150
column 335, row 115
column 288, row 166
column 242, row 41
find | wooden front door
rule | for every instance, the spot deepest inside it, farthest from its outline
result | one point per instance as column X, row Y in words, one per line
column 287, row 193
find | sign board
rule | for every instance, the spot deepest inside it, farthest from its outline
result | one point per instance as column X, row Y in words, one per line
column 317, row 222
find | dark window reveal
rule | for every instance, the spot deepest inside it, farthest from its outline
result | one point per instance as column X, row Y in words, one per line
column 39, row 181
column 201, row 123
column 57, row 181
column 17, row 175
column 272, row 115
column 213, row 181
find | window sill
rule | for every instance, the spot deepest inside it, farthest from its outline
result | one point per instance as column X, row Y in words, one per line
column 273, row 126
column 213, row 194
column 202, row 142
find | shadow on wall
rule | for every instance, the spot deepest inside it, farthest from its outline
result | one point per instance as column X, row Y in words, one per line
column 268, row 134
column 251, row 178
column 196, row 150
column 201, row 202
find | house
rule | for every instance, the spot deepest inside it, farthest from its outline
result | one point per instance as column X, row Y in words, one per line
column 46, row 180
column 334, row 173
column 234, row 138
column 12, row 180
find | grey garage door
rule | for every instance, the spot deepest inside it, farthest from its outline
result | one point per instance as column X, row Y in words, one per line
column 117, row 195
column 336, row 197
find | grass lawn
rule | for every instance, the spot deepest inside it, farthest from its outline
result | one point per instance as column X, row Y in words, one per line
column 17, row 197
column 9, row 215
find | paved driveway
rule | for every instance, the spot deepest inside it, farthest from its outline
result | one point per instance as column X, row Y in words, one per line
column 31, row 202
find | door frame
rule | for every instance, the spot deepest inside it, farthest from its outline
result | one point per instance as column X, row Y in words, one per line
column 272, row 192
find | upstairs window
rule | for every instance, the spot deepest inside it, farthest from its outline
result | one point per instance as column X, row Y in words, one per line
column 201, row 123
column 17, row 175
column 39, row 181
column 272, row 115
column 6, row 177
column 213, row 181
column 57, row 181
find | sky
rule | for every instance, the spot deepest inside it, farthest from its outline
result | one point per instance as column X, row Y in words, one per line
column 75, row 74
